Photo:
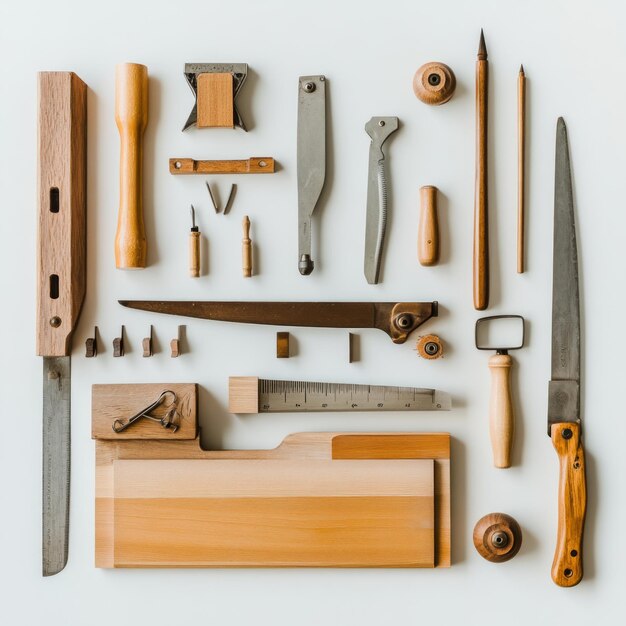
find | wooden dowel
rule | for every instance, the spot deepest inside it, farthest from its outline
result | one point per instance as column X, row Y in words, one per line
column 428, row 229
column 521, row 158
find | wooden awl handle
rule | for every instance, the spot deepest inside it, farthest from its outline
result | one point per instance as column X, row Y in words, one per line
column 428, row 229
column 567, row 567
column 501, row 420
column 131, row 116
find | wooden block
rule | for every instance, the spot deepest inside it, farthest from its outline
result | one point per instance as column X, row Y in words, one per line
column 243, row 394
column 282, row 345
column 111, row 402
column 62, row 180
column 216, row 101
column 274, row 513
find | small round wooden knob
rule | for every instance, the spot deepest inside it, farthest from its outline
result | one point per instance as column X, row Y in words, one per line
column 430, row 347
column 497, row 537
column 434, row 83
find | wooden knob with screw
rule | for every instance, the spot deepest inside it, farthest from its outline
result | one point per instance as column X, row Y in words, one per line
column 434, row 83
column 497, row 537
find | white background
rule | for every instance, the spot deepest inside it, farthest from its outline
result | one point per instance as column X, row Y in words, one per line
column 573, row 53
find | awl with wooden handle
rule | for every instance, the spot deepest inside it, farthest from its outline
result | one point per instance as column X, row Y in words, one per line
column 62, row 178
column 131, row 116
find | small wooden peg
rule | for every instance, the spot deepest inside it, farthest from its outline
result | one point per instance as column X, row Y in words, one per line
column 146, row 343
column 282, row 345
column 175, row 344
column 246, row 248
column 91, row 345
column 118, row 344
column 497, row 537
column 428, row 229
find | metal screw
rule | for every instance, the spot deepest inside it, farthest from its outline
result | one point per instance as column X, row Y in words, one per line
column 178, row 165
column 404, row 321
column 567, row 433
column 55, row 322
column 431, row 348
column 499, row 539
column 381, row 123
column 434, row 79
column 309, row 87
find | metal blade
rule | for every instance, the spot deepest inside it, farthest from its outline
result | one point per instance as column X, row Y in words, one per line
column 56, row 463
column 311, row 160
column 397, row 319
column 379, row 129
column 563, row 401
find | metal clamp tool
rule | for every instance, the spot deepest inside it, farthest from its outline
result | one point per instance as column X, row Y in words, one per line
column 170, row 421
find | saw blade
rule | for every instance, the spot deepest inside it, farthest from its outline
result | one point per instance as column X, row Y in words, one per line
column 56, row 463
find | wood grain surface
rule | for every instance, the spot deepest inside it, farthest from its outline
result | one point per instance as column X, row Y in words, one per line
column 501, row 417
column 428, row 228
column 253, row 165
column 215, row 101
column 62, row 188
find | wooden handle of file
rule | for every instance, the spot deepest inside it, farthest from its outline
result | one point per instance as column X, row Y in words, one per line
column 194, row 254
column 131, row 116
column 246, row 248
column 501, row 420
column 428, row 229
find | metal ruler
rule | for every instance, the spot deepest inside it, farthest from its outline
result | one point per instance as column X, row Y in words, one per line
column 287, row 396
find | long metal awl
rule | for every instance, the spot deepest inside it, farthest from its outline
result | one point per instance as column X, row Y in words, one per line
column 62, row 151
column 248, row 394
column 564, row 423
column 311, row 160
column 397, row 319
column 379, row 129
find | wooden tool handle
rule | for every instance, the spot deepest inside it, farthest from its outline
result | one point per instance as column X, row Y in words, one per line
column 481, row 233
column 131, row 116
column 567, row 567
column 253, row 165
column 501, row 420
column 246, row 248
column 428, row 229
column 62, row 176
column 194, row 254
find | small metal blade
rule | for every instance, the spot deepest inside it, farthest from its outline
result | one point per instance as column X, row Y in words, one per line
column 563, row 401
column 311, row 160
column 379, row 129
column 56, row 463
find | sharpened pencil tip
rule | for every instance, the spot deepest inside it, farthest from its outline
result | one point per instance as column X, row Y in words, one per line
column 482, row 48
column 521, row 69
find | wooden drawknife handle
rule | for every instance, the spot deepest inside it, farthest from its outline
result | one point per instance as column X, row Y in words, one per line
column 567, row 567
column 501, row 419
column 131, row 116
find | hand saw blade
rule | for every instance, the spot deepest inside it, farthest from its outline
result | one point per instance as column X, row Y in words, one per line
column 311, row 160
column 379, row 129
column 563, row 405
column 56, row 463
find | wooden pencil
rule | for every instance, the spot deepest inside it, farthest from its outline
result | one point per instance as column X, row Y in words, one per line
column 481, row 228
column 521, row 158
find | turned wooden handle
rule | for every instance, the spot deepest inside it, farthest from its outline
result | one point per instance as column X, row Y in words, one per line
column 567, row 567
column 194, row 254
column 501, row 419
column 131, row 116
column 246, row 248
column 428, row 229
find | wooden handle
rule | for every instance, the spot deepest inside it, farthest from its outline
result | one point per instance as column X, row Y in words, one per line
column 428, row 229
column 194, row 254
column 131, row 116
column 253, row 165
column 481, row 237
column 501, row 420
column 246, row 248
column 567, row 567
column 62, row 176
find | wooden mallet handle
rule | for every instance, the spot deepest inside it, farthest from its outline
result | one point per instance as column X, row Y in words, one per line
column 131, row 116
column 501, row 420
column 428, row 229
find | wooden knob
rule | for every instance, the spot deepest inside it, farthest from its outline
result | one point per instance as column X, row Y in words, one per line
column 430, row 347
column 131, row 116
column 501, row 420
column 428, row 229
column 434, row 83
column 497, row 537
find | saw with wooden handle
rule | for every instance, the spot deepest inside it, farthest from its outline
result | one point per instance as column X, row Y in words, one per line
column 397, row 319
column 62, row 162
column 564, row 424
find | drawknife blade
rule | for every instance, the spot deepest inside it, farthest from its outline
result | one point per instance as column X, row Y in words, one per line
column 379, row 129
column 311, row 160
column 56, row 463
column 563, row 405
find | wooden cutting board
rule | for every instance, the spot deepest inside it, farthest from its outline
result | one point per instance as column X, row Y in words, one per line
column 318, row 499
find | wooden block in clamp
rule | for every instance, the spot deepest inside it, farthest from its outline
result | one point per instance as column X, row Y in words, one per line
column 243, row 394
column 111, row 402
column 282, row 345
column 215, row 101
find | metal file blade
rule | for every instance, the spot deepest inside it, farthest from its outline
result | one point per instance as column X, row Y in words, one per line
column 56, row 463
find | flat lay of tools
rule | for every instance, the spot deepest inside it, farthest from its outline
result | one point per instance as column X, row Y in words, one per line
column 318, row 499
